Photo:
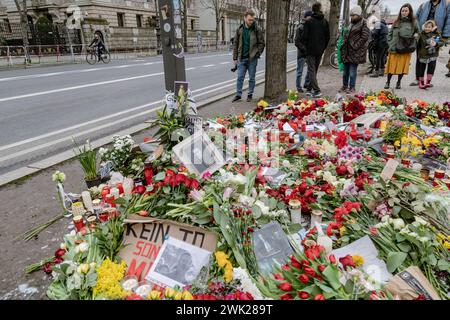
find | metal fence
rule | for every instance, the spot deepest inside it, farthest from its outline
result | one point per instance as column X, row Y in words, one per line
column 14, row 56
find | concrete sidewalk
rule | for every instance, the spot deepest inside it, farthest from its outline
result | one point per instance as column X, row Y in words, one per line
column 440, row 93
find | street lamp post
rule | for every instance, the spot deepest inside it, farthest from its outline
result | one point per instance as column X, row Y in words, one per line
column 172, row 42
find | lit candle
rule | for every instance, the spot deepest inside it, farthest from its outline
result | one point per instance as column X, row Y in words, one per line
column 78, row 222
column 129, row 283
column 144, row 289
column 87, row 200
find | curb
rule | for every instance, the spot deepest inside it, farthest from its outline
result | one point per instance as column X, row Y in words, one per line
column 67, row 155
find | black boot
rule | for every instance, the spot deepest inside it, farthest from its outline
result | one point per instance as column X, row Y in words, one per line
column 388, row 85
column 398, row 86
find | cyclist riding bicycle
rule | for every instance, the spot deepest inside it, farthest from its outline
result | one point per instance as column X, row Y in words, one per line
column 97, row 43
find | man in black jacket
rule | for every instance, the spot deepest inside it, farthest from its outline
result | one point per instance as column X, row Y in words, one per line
column 315, row 37
column 380, row 38
column 301, row 53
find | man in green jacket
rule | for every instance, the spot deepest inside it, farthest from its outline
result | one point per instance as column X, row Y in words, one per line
column 249, row 45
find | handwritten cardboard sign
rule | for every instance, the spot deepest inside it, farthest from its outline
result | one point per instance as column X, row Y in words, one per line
column 389, row 170
column 144, row 237
column 368, row 119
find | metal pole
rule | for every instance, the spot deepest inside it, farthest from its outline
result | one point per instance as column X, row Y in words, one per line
column 172, row 42
column 346, row 12
column 70, row 45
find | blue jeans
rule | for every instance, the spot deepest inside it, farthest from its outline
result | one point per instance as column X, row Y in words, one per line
column 300, row 65
column 245, row 65
column 350, row 72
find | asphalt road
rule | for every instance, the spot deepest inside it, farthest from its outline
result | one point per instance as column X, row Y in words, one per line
column 41, row 109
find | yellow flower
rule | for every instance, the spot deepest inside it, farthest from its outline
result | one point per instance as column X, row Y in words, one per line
column 441, row 236
column 404, row 149
column 397, row 143
column 263, row 104
column 358, row 260
column 342, row 230
column 109, row 275
column 413, row 128
column 187, row 295
column 169, row 293
column 447, row 245
column 228, row 275
column 222, row 258
column 178, row 296
column 154, row 295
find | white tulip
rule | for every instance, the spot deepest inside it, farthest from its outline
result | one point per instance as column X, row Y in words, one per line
column 398, row 224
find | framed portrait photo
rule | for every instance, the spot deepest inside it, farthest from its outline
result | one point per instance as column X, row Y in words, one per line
column 199, row 154
column 177, row 264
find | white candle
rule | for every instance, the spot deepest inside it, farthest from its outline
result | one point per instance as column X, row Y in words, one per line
column 87, row 200
column 316, row 217
column 129, row 284
column 296, row 211
column 128, row 185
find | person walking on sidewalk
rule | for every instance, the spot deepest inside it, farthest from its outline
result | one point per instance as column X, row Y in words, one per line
column 380, row 38
column 354, row 48
column 428, row 49
column 402, row 41
column 249, row 45
column 439, row 11
column 315, row 37
column 301, row 53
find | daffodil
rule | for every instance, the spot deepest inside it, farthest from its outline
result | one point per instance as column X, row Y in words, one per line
column 263, row 104
column 187, row 295
column 154, row 295
column 358, row 260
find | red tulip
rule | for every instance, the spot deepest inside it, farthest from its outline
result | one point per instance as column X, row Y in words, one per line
column 286, row 296
column 59, row 253
column 143, row 213
column 309, row 271
column 347, row 261
column 285, row 286
column 303, row 278
column 319, row 297
column 303, row 295
column 295, row 263
column 47, row 268
column 331, row 258
column 278, row 276
column 321, row 268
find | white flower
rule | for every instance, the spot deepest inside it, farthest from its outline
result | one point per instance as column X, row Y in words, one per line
column 286, row 164
column 404, row 231
column 59, row 176
column 82, row 247
column 420, row 221
column 63, row 246
column 398, row 224
column 423, row 239
column 247, row 284
column 246, row 200
column 413, row 234
column 238, row 179
column 265, row 210
column 328, row 177
column 385, row 218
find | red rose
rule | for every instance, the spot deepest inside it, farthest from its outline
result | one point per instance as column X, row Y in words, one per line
column 295, row 263
column 286, row 296
column 309, row 271
column 195, row 184
column 57, row 260
column 319, row 297
column 285, row 286
column 303, row 295
column 47, row 268
column 59, row 253
column 347, row 261
column 341, row 170
column 321, row 268
column 303, row 278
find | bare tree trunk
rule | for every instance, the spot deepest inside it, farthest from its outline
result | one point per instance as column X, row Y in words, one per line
column 185, row 25
column 217, row 30
column 24, row 27
column 276, row 44
column 335, row 11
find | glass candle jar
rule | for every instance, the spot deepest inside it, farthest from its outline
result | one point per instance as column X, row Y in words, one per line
column 110, row 200
column 78, row 222
column 77, row 209
column 129, row 283
column 406, row 163
column 425, row 173
column 439, row 174
column 316, row 217
column 91, row 221
column 296, row 211
column 143, row 289
column 104, row 216
column 128, row 185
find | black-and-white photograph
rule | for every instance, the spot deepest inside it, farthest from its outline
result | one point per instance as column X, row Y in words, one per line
column 271, row 246
column 198, row 154
column 178, row 263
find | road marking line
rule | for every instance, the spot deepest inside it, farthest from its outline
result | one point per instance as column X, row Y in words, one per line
column 80, row 87
column 207, row 66
column 226, row 62
column 192, row 68
column 219, row 85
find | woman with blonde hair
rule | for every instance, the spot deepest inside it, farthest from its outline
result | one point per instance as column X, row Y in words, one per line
column 402, row 40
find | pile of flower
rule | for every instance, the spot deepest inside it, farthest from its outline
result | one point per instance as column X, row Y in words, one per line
column 333, row 173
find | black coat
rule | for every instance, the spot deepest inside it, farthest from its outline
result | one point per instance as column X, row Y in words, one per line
column 301, row 49
column 380, row 35
column 316, row 35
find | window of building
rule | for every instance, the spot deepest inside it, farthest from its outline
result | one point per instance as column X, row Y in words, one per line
column 192, row 24
column 139, row 20
column 121, row 19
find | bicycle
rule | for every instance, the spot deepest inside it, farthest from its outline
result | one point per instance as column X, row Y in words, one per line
column 92, row 56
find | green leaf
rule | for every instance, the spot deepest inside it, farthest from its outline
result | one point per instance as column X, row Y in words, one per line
column 443, row 265
column 404, row 246
column 160, row 176
column 395, row 260
column 332, row 275
column 432, row 259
